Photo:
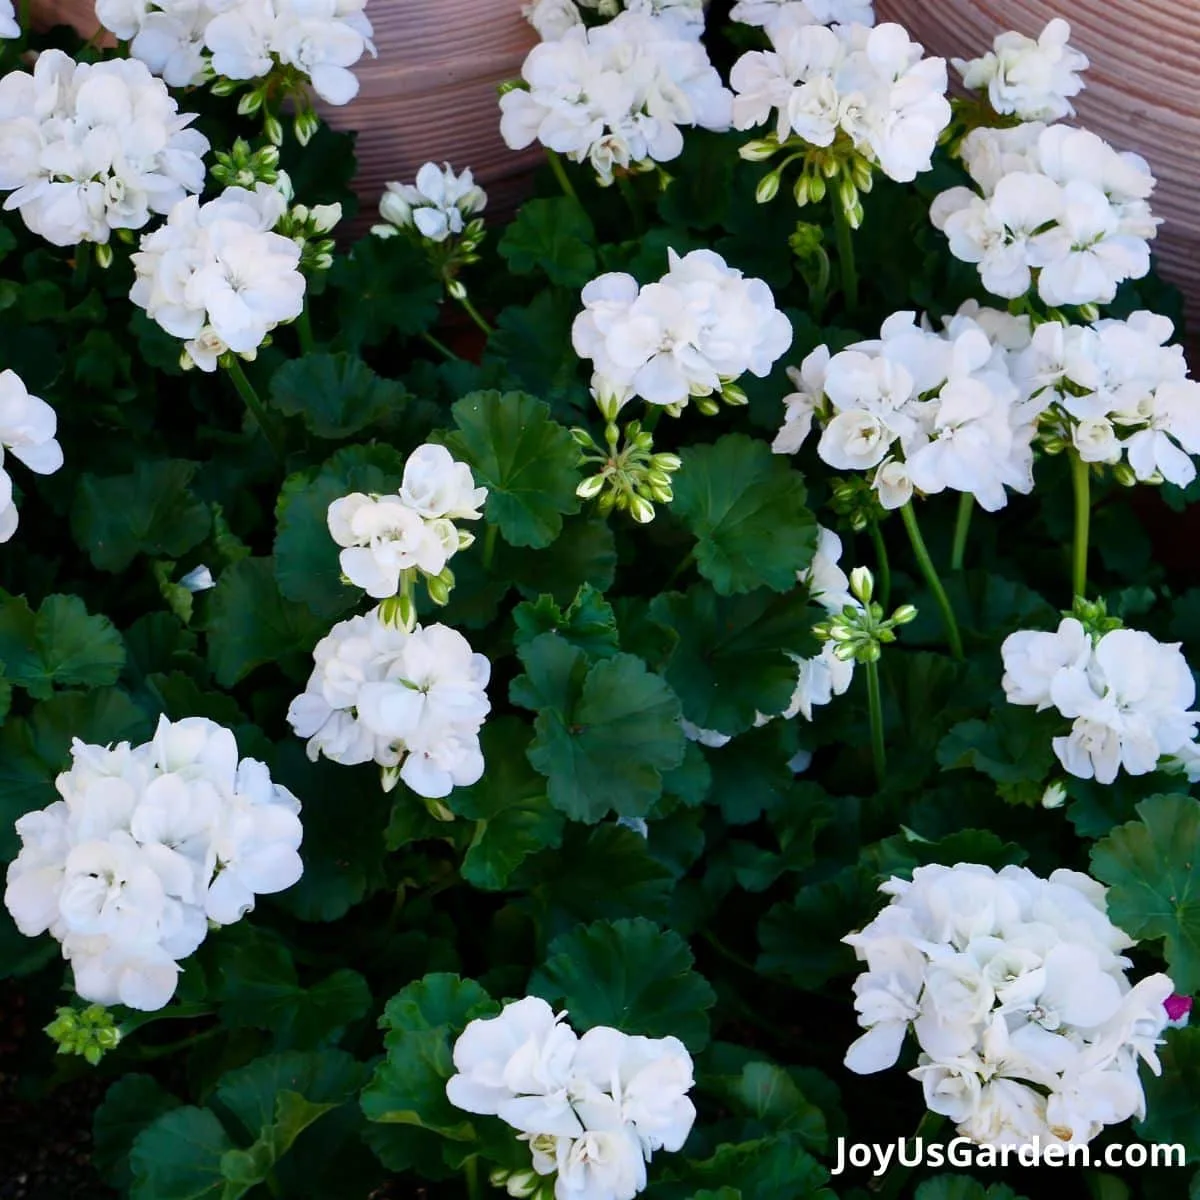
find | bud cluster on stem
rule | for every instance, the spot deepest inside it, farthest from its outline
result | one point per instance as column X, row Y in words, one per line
column 631, row 476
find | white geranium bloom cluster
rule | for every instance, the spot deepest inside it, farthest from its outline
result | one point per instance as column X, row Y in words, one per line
column 9, row 26
column 553, row 18
column 1117, row 393
column 1027, row 78
column 1056, row 208
column 86, row 148
column 188, row 41
column 148, row 845
column 869, row 87
column 699, row 328
column 1127, row 695
column 412, row 702
column 385, row 536
column 593, row 1109
column 778, row 14
column 617, row 95
column 27, row 428
column 217, row 276
column 1015, row 988
column 438, row 205
column 921, row 411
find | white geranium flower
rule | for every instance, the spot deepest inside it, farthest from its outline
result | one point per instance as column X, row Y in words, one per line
column 411, row 702
column 27, row 431
column 217, row 276
column 86, row 148
column 871, row 86
column 776, row 14
column 1033, row 80
column 438, row 205
column 1016, row 990
column 616, row 95
column 701, row 326
column 9, row 26
column 552, row 18
column 148, row 844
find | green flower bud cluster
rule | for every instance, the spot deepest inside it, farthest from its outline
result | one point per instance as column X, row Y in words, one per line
column 856, row 501
column 243, row 166
column 838, row 170
column 1094, row 617
column 400, row 610
column 860, row 631
column 524, row 1183
column 267, row 96
column 631, row 477
column 307, row 227
column 90, row 1033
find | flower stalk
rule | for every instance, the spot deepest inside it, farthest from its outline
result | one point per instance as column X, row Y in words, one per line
column 962, row 530
column 1081, row 484
column 560, row 173
column 254, row 404
column 845, row 253
column 932, row 579
column 875, row 712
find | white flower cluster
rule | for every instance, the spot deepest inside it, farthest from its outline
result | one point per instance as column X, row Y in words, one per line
column 553, row 18
column 773, row 15
column 1115, row 390
column 616, row 95
column 27, row 428
column 922, row 411
column 871, row 87
column 187, row 41
column 384, row 536
column 148, row 845
column 700, row 327
column 412, row 702
column 1016, row 991
column 1127, row 695
column 86, row 148
column 1051, row 200
column 216, row 275
column 594, row 1108
column 9, row 26
column 1028, row 79
column 438, row 205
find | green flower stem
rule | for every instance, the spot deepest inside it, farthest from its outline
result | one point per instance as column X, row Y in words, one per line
column 489, row 546
column 653, row 413
column 962, row 528
column 1081, row 479
column 440, row 347
column 633, row 202
column 845, row 250
column 882, row 565
column 890, row 1185
column 475, row 315
column 471, row 1172
column 304, row 332
column 875, row 708
column 254, row 404
column 909, row 517
column 83, row 264
column 560, row 173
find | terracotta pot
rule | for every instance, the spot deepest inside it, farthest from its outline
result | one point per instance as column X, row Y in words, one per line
column 429, row 96
column 1140, row 92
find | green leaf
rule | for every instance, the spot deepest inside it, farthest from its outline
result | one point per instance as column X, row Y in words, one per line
column 306, row 556
column 1153, row 871
column 774, row 1168
column 150, row 511
column 962, row 1187
column 701, row 182
column 773, row 1102
column 605, row 732
column 259, row 989
column 584, row 553
column 509, row 804
column 534, row 343
column 129, row 1105
column 528, row 462
column 250, row 623
column 1013, row 747
column 554, row 236
column 588, row 622
column 903, row 853
column 745, row 506
column 731, row 661
column 1171, row 1114
column 390, row 288
column 61, row 646
column 178, row 1157
column 423, row 1020
column 631, row 975
column 335, row 394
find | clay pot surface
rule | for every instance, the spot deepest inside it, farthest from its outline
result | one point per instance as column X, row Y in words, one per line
column 1140, row 95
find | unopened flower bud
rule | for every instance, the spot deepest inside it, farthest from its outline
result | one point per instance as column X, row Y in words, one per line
column 1089, row 312
column 662, row 495
column 1124, row 474
column 817, row 188
column 511, row 85
column 768, row 188
column 734, row 396
column 759, row 150
column 273, row 129
column 104, row 255
column 904, row 614
column 325, row 217
column 591, row 487
column 845, row 652
column 456, row 289
column 707, row 406
column 582, row 438
column 802, row 191
column 1054, row 796
column 862, row 584
column 641, row 510
column 667, row 462
column 249, row 104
